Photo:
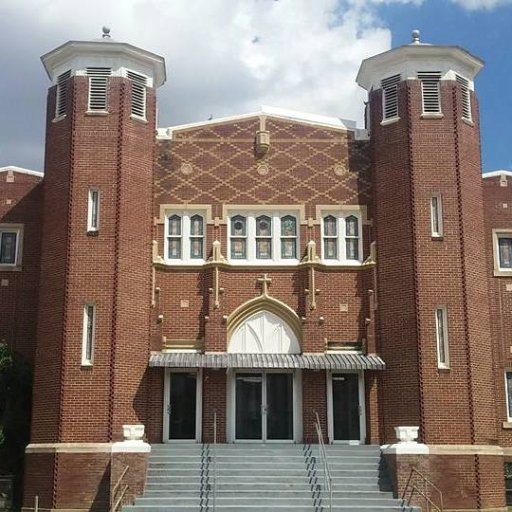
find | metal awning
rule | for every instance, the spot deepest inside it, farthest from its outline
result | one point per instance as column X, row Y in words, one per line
column 329, row 361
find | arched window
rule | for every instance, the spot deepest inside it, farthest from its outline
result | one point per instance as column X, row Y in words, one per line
column 196, row 237
column 330, row 238
column 174, row 240
column 185, row 237
column 352, row 237
column 238, row 237
column 288, row 237
column 263, row 237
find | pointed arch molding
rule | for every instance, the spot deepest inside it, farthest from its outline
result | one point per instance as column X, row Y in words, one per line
column 263, row 304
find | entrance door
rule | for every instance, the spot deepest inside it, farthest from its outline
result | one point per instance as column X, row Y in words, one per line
column 182, row 405
column 345, row 407
column 264, row 406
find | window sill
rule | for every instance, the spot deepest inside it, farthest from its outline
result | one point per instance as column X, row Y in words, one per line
column 443, row 368
column 57, row 119
column 86, row 365
column 468, row 122
column 432, row 115
column 100, row 113
column 93, row 232
column 502, row 273
column 507, row 425
column 139, row 119
column 10, row 268
column 393, row 120
column 437, row 238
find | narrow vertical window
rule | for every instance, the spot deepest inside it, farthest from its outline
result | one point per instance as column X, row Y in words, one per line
column 8, row 247
column 98, row 81
column 505, row 252
column 352, row 237
column 174, row 239
column 238, row 237
column 330, row 238
column 88, row 334
column 138, row 105
column 430, row 91
column 288, row 237
column 93, row 210
column 196, row 237
column 508, row 394
column 61, row 102
column 263, row 238
column 390, row 97
column 443, row 360
column 436, row 216
column 466, row 97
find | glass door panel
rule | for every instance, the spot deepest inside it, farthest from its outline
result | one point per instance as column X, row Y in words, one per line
column 248, row 406
column 279, row 405
column 345, row 402
column 182, row 405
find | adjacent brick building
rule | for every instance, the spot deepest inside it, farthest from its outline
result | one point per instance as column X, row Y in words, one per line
column 261, row 269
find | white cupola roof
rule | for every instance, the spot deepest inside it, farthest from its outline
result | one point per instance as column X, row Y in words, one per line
column 417, row 57
column 105, row 52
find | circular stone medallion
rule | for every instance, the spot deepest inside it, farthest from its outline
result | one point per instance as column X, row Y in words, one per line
column 186, row 169
column 262, row 169
column 339, row 169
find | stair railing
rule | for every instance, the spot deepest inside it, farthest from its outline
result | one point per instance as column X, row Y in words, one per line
column 116, row 498
column 423, row 488
column 214, row 459
column 323, row 457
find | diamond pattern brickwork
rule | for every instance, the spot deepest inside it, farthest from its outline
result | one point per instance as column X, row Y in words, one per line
column 307, row 165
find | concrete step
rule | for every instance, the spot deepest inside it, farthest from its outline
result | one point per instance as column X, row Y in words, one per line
column 208, row 507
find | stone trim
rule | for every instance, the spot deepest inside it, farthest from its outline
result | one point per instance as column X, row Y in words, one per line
column 444, row 449
column 120, row 447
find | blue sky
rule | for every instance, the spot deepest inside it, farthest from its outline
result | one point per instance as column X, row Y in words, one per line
column 226, row 57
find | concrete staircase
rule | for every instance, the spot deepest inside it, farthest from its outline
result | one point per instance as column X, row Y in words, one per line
column 263, row 477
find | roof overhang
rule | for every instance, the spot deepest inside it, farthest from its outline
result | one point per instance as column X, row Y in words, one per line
column 102, row 48
column 411, row 57
column 328, row 361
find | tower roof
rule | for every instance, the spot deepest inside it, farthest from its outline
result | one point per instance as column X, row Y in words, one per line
column 104, row 49
column 417, row 56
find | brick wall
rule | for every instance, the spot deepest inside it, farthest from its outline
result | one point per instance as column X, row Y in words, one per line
column 20, row 203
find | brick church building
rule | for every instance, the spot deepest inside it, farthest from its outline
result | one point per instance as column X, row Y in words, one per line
column 235, row 279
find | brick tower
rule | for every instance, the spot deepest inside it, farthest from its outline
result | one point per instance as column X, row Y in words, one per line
column 434, row 326
column 93, row 324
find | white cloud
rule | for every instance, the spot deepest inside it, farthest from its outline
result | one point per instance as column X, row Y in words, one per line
column 474, row 5
column 223, row 56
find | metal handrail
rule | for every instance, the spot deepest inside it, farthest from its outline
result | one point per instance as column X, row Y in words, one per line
column 411, row 487
column 115, row 502
column 214, row 459
column 323, row 456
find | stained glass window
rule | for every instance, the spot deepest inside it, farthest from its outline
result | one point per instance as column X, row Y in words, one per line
column 352, row 237
column 238, row 237
column 263, row 238
column 330, row 238
column 196, row 237
column 174, row 237
column 288, row 237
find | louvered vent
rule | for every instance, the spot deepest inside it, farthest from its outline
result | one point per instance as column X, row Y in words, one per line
column 466, row 98
column 98, row 78
column 390, row 96
column 430, row 91
column 62, row 93
column 138, row 93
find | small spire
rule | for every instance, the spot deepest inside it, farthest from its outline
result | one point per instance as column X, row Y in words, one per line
column 416, row 36
column 106, row 33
